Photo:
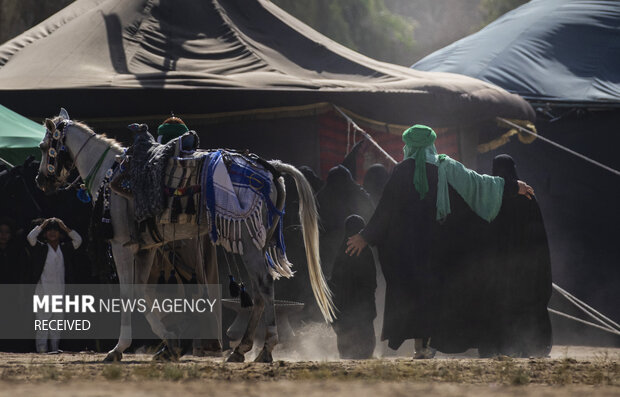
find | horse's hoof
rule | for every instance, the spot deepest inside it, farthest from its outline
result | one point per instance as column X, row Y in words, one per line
column 165, row 354
column 264, row 357
column 235, row 358
column 113, row 357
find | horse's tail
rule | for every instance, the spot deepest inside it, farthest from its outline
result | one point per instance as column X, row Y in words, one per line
column 309, row 222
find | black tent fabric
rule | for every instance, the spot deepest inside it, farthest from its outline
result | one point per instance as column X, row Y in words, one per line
column 565, row 51
column 115, row 58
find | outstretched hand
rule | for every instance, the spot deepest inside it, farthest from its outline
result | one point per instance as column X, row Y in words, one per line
column 525, row 190
column 355, row 245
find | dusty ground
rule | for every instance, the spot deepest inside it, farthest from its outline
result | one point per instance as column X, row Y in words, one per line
column 571, row 371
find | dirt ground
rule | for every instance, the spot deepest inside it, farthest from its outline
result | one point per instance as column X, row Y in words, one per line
column 570, row 371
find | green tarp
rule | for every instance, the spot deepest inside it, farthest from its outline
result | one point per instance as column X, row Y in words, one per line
column 19, row 137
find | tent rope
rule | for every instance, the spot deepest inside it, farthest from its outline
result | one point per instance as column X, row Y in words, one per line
column 602, row 319
column 365, row 135
column 549, row 141
column 582, row 321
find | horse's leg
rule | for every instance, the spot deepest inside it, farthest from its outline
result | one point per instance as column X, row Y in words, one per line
column 252, row 262
column 265, row 288
column 123, row 257
column 205, row 262
column 144, row 262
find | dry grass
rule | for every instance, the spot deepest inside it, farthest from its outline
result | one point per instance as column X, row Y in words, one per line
column 601, row 370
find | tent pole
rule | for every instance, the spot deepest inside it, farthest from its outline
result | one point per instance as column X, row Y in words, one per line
column 7, row 163
column 365, row 134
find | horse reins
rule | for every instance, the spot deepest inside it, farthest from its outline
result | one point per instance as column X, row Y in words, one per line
column 61, row 126
column 75, row 181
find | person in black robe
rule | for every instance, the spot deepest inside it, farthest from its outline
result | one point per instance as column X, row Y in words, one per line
column 353, row 283
column 409, row 238
column 12, row 254
column 340, row 197
column 13, row 262
column 314, row 180
column 374, row 181
column 458, row 262
column 517, row 319
column 402, row 229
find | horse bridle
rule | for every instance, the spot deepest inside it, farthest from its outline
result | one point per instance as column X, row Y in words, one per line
column 56, row 148
column 56, row 143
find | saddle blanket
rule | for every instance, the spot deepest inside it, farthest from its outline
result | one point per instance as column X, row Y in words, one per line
column 226, row 190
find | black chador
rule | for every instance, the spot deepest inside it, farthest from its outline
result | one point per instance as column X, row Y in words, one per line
column 517, row 322
column 340, row 197
column 353, row 283
column 374, row 181
column 402, row 228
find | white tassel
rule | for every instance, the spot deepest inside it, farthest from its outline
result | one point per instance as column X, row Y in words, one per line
column 276, row 263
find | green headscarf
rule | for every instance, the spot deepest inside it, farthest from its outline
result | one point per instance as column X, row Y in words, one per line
column 483, row 193
column 417, row 140
column 169, row 131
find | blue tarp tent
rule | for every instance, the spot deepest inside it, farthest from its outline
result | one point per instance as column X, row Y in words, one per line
column 558, row 51
column 563, row 56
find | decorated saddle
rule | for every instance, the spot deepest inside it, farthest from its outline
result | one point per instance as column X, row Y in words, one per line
column 224, row 190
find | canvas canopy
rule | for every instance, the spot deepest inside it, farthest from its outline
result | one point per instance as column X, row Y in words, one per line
column 115, row 58
column 19, row 137
column 562, row 51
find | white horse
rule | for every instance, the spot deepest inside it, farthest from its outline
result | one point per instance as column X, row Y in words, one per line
column 93, row 155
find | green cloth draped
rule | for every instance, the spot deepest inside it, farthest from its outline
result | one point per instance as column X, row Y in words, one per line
column 483, row 193
column 170, row 131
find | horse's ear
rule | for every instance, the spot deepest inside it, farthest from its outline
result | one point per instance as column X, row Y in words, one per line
column 49, row 124
column 64, row 114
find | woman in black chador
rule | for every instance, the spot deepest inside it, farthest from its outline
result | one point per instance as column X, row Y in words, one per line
column 340, row 197
column 353, row 283
column 520, row 287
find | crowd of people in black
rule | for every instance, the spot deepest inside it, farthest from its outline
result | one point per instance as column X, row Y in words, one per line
column 462, row 269
column 479, row 276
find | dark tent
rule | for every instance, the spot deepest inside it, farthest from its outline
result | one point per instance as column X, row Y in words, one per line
column 563, row 56
column 242, row 72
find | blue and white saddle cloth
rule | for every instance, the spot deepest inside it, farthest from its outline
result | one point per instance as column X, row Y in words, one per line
column 233, row 194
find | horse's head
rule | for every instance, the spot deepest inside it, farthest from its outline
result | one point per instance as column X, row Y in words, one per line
column 56, row 162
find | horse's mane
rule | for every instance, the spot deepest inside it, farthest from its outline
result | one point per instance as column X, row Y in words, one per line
column 100, row 137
